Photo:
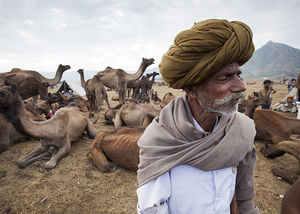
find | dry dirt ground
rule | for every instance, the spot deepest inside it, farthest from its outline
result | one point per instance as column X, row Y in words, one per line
column 77, row 186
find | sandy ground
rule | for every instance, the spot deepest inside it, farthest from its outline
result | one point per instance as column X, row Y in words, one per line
column 77, row 186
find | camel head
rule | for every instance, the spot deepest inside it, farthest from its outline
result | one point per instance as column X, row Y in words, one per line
column 146, row 62
column 62, row 68
column 155, row 74
column 80, row 71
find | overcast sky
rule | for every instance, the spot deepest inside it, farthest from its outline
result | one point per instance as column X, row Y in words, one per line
column 93, row 34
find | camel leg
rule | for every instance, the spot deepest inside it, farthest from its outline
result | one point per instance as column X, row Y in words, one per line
column 270, row 151
column 37, row 154
column 97, row 156
column 91, row 130
column 105, row 97
column 62, row 151
column 284, row 174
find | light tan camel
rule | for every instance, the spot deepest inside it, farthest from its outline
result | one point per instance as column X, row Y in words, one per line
column 95, row 91
column 166, row 99
column 120, row 146
column 66, row 126
column 117, row 78
column 135, row 114
column 275, row 127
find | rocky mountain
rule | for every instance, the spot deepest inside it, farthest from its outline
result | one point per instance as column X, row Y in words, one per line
column 273, row 60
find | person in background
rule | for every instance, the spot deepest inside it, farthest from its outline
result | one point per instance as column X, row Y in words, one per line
column 266, row 93
column 199, row 152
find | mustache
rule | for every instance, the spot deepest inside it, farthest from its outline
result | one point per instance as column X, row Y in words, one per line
column 230, row 98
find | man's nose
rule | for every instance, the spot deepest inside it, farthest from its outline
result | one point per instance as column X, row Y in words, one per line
column 237, row 85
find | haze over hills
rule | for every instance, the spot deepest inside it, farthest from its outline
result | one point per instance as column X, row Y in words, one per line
column 273, row 60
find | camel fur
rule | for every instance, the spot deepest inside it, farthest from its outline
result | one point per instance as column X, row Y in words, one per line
column 290, row 202
column 66, row 126
column 117, row 79
column 23, row 74
column 166, row 99
column 120, row 146
column 275, row 127
column 95, row 91
column 135, row 114
column 273, row 151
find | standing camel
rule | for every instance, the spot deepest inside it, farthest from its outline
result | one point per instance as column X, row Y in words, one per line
column 95, row 91
column 117, row 78
column 22, row 74
column 31, row 83
column 66, row 126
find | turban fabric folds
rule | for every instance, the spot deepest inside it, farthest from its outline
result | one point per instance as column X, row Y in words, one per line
column 205, row 48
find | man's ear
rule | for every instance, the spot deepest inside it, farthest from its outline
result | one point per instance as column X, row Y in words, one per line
column 190, row 92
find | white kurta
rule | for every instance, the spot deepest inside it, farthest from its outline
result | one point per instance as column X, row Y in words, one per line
column 188, row 190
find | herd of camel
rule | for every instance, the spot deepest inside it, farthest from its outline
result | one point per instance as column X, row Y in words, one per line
column 21, row 118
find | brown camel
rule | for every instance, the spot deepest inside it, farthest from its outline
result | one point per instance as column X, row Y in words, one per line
column 143, row 89
column 166, row 99
column 120, row 146
column 249, row 105
column 134, row 114
column 59, row 100
column 9, row 135
column 290, row 202
column 95, row 91
column 110, row 114
column 273, row 126
column 66, row 126
column 273, row 151
column 22, row 74
column 117, row 78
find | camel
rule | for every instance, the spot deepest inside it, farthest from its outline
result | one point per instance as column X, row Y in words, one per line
column 66, row 126
column 117, row 78
column 144, row 86
column 22, row 74
column 120, row 146
column 275, row 127
column 110, row 114
column 9, row 135
column 290, row 202
column 134, row 114
column 30, row 87
column 166, row 99
column 249, row 105
column 273, row 151
column 59, row 100
column 95, row 91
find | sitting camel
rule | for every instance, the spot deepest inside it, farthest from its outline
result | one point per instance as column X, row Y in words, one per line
column 9, row 135
column 120, row 146
column 290, row 202
column 249, row 105
column 273, row 151
column 66, row 126
column 273, row 126
column 166, row 99
column 135, row 114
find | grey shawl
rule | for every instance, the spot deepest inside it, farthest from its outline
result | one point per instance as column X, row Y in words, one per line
column 172, row 140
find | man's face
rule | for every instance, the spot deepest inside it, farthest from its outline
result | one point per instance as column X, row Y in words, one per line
column 268, row 85
column 221, row 92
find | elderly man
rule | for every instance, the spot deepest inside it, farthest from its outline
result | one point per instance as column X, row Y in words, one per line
column 200, row 151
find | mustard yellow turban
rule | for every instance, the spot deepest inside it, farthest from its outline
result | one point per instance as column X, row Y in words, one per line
column 207, row 47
